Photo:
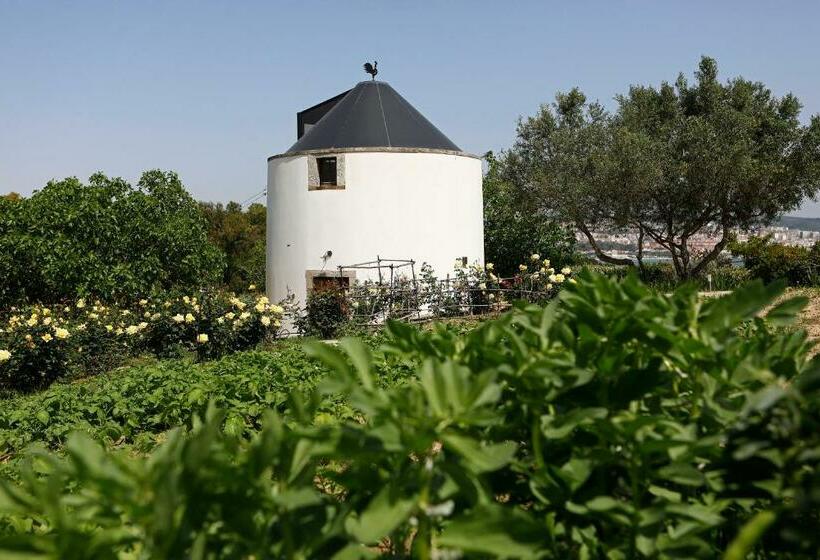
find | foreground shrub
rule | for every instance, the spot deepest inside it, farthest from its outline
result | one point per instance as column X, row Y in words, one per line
column 40, row 344
column 104, row 239
column 614, row 423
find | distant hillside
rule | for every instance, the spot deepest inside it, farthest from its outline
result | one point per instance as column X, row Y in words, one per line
column 806, row 224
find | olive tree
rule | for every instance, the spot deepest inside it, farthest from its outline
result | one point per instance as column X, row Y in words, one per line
column 671, row 162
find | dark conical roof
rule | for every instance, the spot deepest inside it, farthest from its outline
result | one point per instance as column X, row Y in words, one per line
column 373, row 114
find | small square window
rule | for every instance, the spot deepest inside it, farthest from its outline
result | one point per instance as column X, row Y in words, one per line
column 327, row 171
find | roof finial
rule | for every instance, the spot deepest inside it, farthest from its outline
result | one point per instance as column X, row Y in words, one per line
column 372, row 68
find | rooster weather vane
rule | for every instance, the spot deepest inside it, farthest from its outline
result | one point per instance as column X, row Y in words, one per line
column 372, row 68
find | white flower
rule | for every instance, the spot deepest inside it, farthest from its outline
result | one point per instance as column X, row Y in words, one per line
column 252, row 287
column 535, row 257
column 109, row 328
column 229, row 315
column 202, row 338
column 47, row 321
column 143, row 302
column 244, row 315
column 263, row 299
column 522, row 267
column 482, row 286
column 80, row 303
column 189, row 318
column 260, row 307
column 489, row 266
column 62, row 334
column 132, row 329
column 265, row 320
column 546, row 263
column 277, row 309
column 566, row 271
column 178, row 318
column 559, row 278
column 220, row 320
column 46, row 337
column 5, row 355
column 142, row 325
column 355, row 304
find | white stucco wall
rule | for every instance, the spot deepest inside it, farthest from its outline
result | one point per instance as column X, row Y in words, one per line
column 397, row 205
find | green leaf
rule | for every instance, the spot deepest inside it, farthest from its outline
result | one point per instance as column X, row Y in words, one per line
column 386, row 511
column 503, row 532
column 785, row 312
column 480, row 458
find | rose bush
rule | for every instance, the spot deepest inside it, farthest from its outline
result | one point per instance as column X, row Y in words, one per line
column 39, row 344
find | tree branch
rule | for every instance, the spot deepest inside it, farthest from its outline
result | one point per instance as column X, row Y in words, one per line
column 598, row 252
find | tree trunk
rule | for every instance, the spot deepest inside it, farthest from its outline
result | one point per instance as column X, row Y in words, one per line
column 713, row 254
column 598, row 252
column 640, row 250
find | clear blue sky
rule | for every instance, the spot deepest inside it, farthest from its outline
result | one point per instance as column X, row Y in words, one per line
column 210, row 89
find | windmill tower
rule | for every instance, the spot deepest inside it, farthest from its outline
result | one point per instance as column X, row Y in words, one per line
column 368, row 176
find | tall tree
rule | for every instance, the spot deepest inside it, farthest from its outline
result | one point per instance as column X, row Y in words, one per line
column 673, row 162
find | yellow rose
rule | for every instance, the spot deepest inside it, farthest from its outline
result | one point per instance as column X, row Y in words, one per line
column 46, row 337
column 62, row 334
column 489, row 266
column 265, row 320
column 278, row 309
column 80, row 303
column 202, row 338
column 177, row 318
column 566, row 271
column 522, row 267
column 143, row 302
column 252, row 287
column 132, row 329
column 535, row 257
column 5, row 355
column 189, row 318
column 260, row 307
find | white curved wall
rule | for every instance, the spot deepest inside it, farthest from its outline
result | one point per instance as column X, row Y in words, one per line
column 421, row 206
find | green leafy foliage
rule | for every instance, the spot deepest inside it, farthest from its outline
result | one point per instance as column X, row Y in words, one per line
column 616, row 422
column 240, row 235
column 513, row 229
column 104, row 239
column 769, row 261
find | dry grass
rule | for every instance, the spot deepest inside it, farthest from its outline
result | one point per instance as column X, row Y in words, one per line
column 810, row 317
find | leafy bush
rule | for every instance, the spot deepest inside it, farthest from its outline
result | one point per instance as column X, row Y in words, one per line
column 616, row 422
column 513, row 230
column 105, row 239
column 39, row 344
column 661, row 276
column 240, row 234
column 770, row 261
column 325, row 312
